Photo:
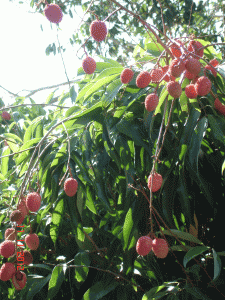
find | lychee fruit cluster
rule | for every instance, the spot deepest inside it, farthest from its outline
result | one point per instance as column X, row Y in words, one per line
column 98, row 30
column 6, row 116
column 70, row 186
column 53, row 13
column 155, row 181
column 159, row 246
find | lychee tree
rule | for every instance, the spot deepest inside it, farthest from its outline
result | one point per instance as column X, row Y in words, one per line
column 121, row 194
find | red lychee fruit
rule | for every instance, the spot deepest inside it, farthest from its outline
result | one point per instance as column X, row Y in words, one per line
column 6, row 115
column 144, row 245
column 156, row 75
column 10, row 234
column 166, row 74
column 214, row 62
column 174, row 89
column 176, row 67
column 19, row 280
column 194, row 46
column 98, row 30
column 160, row 247
column 156, row 182
column 203, row 86
column 208, row 67
column 89, row 65
column 143, row 79
column 53, row 13
column 28, row 258
column 175, row 49
column 126, row 76
column 70, row 186
column 33, row 201
column 189, row 75
column 190, row 91
column 32, row 241
column 193, row 65
column 151, row 102
column 16, row 215
column 7, row 248
column 219, row 107
column 7, row 271
column 22, row 207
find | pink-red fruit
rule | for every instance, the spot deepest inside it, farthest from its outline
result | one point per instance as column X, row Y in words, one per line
column 19, row 280
column 160, row 247
column 151, row 102
column 174, row 89
column 53, row 13
column 203, row 86
column 10, row 234
column 89, row 65
column 6, row 115
column 190, row 91
column 156, row 181
column 98, row 30
column 156, row 75
column 16, row 215
column 70, row 186
column 28, row 258
column 194, row 47
column 214, row 62
column 208, row 67
column 176, row 67
column 7, row 248
column 175, row 49
column 126, row 76
column 219, row 107
column 143, row 79
column 32, row 241
column 144, row 245
column 193, row 65
column 23, row 207
column 33, row 201
column 7, row 271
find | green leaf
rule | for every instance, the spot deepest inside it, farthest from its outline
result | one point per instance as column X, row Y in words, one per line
column 35, row 285
column 56, row 220
column 5, row 161
column 57, row 278
column 81, row 258
column 183, row 235
column 100, row 289
column 193, row 253
column 217, row 265
column 127, row 228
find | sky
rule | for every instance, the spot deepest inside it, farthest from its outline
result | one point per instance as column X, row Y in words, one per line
column 23, row 62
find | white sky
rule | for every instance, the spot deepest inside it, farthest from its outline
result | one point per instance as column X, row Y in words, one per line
column 23, row 62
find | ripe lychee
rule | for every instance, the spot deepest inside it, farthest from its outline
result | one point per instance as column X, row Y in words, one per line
column 22, row 207
column 126, row 76
column 98, row 30
column 33, row 201
column 176, row 67
column 156, row 75
column 156, row 181
column 89, row 65
column 189, row 75
column 70, row 186
column 28, row 258
column 7, row 271
column 151, row 102
column 6, row 115
column 19, row 280
column 166, row 74
column 144, row 245
column 16, row 215
column 194, row 46
column 214, row 62
column 53, row 13
column 10, row 234
column 193, row 65
column 219, row 107
column 203, row 86
column 175, row 49
column 208, row 67
column 7, row 248
column 143, row 79
column 190, row 91
column 160, row 247
column 32, row 241
column 174, row 89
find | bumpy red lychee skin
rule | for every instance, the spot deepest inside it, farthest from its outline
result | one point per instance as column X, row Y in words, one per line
column 157, row 181
column 89, row 65
column 219, row 107
column 28, row 258
column 33, row 201
column 6, row 115
column 16, row 215
column 7, row 248
column 144, row 245
column 160, row 247
column 23, row 207
column 208, row 67
column 53, row 13
column 19, row 280
column 203, row 86
column 32, row 241
column 7, row 271
column 214, row 62
column 151, row 102
column 166, row 74
column 174, row 89
column 189, row 75
column 143, row 79
column 98, row 30
column 190, row 91
column 175, row 49
column 193, row 65
column 177, row 66
column 194, row 46
column 10, row 234
column 126, row 76
column 70, row 186
column 156, row 75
